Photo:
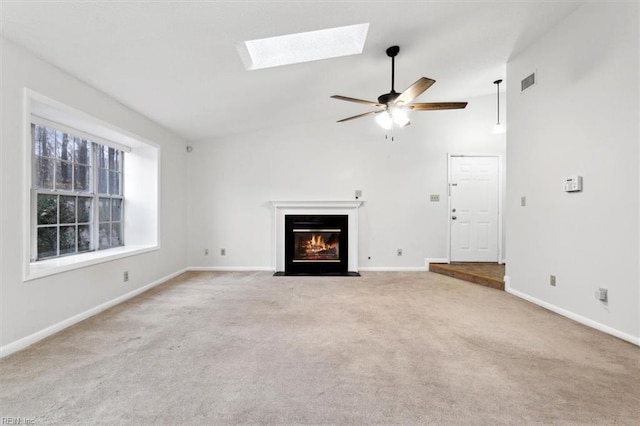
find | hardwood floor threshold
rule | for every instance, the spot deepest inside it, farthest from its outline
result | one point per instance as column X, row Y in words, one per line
column 466, row 276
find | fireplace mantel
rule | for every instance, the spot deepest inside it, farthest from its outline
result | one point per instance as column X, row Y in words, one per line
column 350, row 204
column 283, row 208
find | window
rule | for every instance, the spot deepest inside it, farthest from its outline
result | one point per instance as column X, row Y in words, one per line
column 78, row 190
column 92, row 190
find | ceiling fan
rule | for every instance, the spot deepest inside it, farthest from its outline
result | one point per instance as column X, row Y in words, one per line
column 393, row 106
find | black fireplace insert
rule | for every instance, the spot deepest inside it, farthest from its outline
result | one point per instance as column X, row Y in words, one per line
column 316, row 244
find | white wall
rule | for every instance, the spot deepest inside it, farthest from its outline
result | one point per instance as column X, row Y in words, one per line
column 30, row 308
column 232, row 181
column 580, row 119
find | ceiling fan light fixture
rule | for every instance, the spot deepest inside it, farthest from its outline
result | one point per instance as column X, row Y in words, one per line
column 393, row 107
column 400, row 117
column 384, row 120
column 498, row 128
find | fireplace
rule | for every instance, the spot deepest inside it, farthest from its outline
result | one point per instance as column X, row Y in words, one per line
column 316, row 244
column 324, row 260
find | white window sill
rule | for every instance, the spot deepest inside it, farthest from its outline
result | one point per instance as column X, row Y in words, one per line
column 44, row 268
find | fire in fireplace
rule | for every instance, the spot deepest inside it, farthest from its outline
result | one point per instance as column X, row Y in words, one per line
column 320, row 245
column 316, row 244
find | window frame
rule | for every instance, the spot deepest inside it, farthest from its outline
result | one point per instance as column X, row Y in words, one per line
column 142, row 223
column 94, row 193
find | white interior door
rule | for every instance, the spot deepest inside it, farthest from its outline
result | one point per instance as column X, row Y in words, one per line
column 474, row 206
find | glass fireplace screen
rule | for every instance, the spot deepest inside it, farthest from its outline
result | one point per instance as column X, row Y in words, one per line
column 316, row 245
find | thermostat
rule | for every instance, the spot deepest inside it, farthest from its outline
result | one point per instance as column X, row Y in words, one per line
column 573, row 184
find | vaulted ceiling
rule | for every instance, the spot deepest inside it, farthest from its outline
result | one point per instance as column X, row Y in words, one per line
column 176, row 61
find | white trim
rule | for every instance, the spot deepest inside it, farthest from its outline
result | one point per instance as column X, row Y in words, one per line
column 394, row 269
column 573, row 316
column 319, row 204
column 500, row 195
column 39, row 335
column 230, row 269
column 283, row 208
column 57, row 112
column 44, row 268
column 428, row 261
column 35, row 119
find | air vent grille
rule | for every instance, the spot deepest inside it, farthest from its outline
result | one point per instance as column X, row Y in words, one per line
column 528, row 81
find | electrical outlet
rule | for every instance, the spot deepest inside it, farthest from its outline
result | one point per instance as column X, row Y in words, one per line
column 223, row 252
column 602, row 294
column 552, row 280
column 206, row 252
column 125, row 276
column 399, row 252
column 523, row 201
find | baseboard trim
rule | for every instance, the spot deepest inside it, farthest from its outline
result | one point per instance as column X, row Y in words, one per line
column 429, row 261
column 573, row 316
column 270, row 269
column 231, row 269
column 29, row 340
column 394, row 269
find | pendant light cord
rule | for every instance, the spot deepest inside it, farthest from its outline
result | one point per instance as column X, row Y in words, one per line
column 497, row 83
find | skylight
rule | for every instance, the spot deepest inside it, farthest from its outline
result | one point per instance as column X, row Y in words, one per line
column 303, row 47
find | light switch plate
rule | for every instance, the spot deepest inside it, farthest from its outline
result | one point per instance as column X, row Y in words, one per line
column 572, row 184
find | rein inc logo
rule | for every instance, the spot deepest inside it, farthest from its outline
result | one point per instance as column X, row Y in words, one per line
column 17, row 421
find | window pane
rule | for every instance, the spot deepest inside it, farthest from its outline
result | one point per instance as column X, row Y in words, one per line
column 67, row 239
column 104, row 235
column 47, row 209
column 47, row 242
column 82, row 177
column 67, row 209
column 116, row 234
column 84, row 209
column 64, row 175
column 84, row 238
column 83, row 151
column 114, row 159
column 103, row 156
column 103, row 181
column 116, row 209
column 64, row 162
column 64, row 146
column 114, row 183
column 49, row 147
column 39, row 135
column 105, row 210
column 44, row 173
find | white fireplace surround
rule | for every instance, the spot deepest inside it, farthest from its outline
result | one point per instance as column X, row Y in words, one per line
column 283, row 208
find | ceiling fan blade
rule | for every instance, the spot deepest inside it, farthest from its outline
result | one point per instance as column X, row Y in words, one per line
column 434, row 106
column 360, row 101
column 359, row 115
column 415, row 90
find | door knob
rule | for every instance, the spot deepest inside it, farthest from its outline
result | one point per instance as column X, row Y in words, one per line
column 453, row 217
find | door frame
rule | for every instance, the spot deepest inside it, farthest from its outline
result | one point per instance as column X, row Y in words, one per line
column 501, row 185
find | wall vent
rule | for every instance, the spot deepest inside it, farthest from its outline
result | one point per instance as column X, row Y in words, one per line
column 528, row 81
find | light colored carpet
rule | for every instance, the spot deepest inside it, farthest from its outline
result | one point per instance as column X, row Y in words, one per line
column 385, row 348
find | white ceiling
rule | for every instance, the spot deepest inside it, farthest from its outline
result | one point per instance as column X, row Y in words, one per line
column 176, row 61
